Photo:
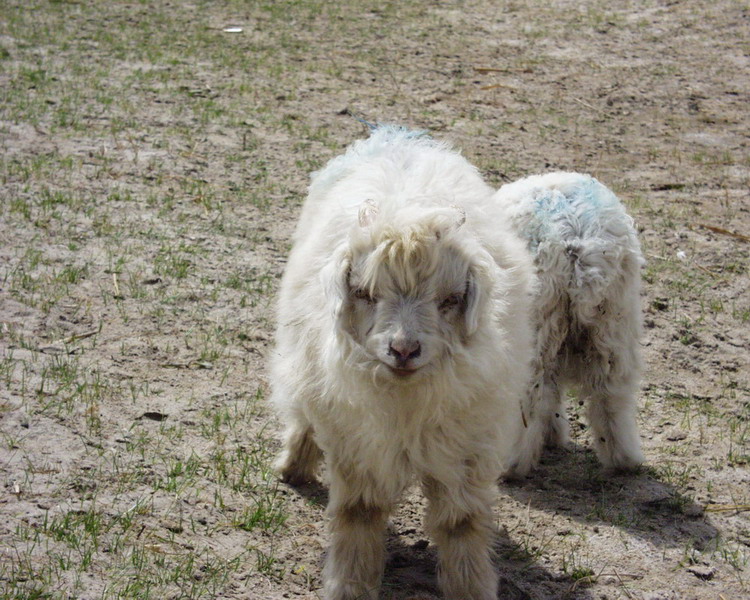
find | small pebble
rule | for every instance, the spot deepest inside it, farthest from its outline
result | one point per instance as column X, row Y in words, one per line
column 706, row 573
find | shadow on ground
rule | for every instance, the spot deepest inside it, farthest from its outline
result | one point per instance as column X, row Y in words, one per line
column 411, row 567
column 410, row 574
column 569, row 483
column 572, row 483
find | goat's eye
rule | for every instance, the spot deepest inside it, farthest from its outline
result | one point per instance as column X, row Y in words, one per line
column 450, row 302
column 362, row 294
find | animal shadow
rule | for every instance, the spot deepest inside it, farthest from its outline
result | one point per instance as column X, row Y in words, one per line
column 573, row 483
column 411, row 574
column 411, row 565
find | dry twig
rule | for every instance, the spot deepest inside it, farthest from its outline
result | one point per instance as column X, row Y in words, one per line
column 727, row 507
column 723, row 231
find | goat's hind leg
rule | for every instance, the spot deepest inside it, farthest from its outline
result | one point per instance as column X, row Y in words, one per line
column 544, row 419
column 528, row 448
column 544, row 422
column 612, row 409
column 610, row 383
column 612, row 414
column 557, row 427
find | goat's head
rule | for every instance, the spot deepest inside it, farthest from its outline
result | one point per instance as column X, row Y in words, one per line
column 409, row 288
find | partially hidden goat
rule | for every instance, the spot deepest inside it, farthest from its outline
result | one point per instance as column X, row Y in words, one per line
column 587, row 313
column 404, row 349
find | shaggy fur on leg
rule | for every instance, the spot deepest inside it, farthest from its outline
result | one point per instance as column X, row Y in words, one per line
column 357, row 554
column 301, row 456
column 587, row 313
column 463, row 532
column 404, row 346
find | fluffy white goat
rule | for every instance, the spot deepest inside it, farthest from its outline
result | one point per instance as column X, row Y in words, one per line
column 587, row 312
column 403, row 350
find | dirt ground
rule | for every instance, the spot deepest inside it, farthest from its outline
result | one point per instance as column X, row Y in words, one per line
column 154, row 159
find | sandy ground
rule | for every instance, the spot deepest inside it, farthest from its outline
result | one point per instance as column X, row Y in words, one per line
column 152, row 169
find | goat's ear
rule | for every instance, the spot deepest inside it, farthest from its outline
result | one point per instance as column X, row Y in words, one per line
column 476, row 290
column 450, row 222
column 335, row 279
column 460, row 216
column 368, row 210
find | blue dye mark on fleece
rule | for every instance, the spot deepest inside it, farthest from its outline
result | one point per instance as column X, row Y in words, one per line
column 383, row 139
column 384, row 135
column 371, row 126
column 558, row 217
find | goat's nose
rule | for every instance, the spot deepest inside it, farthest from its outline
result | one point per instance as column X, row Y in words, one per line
column 404, row 349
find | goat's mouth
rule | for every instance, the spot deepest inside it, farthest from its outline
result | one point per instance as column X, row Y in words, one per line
column 403, row 372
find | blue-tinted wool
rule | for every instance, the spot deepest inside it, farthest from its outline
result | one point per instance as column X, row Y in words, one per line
column 383, row 138
column 558, row 218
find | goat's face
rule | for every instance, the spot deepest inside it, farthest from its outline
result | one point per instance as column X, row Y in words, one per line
column 409, row 294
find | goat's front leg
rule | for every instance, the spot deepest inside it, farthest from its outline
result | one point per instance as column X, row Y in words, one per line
column 300, row 456
column 356, row 556
column 460, row 521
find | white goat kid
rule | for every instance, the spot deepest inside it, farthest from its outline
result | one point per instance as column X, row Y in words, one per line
column 403, row 349
column 588, row 314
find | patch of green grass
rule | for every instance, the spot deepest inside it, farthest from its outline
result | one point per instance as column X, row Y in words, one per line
column 66, row 387
column 738, row 426
column 610, row 512
column 256, row 285
column 675, row 474
column 175, row 261
column 267, row 563
column 181, row 473
column 266, row 512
